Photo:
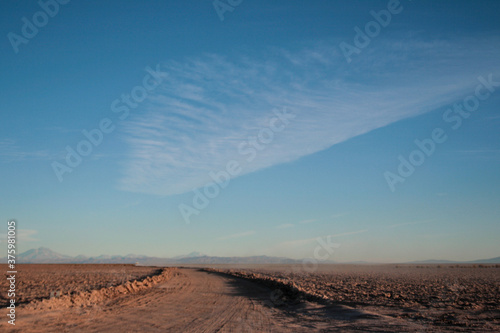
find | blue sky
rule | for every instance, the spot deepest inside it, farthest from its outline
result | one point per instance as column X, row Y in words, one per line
column 310, row 131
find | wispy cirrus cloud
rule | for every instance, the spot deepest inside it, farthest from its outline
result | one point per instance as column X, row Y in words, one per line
column 479, row 151
column 307, row 221
column 285, row 226
column 11, row 152
column 208, row 106
column 238, row 235
column 485, row 154
column 23, row 235
column 336, row 216
column 408, row 223
column 306, row 241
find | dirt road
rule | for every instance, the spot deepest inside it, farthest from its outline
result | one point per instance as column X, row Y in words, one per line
column 197, row 301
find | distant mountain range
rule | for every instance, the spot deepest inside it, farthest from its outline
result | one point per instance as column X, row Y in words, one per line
column 495, row 260
column 41, row 254
column 44, row 255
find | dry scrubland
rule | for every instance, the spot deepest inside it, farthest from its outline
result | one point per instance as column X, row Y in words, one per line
column 442, row 297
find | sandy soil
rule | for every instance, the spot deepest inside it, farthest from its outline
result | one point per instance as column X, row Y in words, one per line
column 196, row 301
column 441, row 297
column 333, row 298
column 36, row 282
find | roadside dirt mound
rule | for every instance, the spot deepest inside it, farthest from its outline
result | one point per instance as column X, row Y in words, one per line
column 285, row 289
column 89, row 298
column 35, row 282
column 464, row 298
column 196, row 301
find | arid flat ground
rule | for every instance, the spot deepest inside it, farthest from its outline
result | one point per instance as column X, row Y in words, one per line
column 40, row 281
column 442, row 297
column 333, row 298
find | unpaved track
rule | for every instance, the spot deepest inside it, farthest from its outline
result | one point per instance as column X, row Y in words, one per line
column 197, row 301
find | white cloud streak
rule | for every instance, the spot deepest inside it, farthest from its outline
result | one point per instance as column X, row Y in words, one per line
column 302, row 242
column 22, row 236
column 408, row 223
column 284, row 226
column 11, row 152
column 208, row 106
column 238, row 235
column 307, row 221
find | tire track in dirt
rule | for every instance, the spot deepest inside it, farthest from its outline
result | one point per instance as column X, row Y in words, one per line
column 197, row 301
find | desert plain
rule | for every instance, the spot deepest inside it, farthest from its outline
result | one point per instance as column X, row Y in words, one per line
column 255, row 298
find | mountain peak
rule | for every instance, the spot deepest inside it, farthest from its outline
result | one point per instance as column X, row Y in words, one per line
column 193, row 254
column 42, row 254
